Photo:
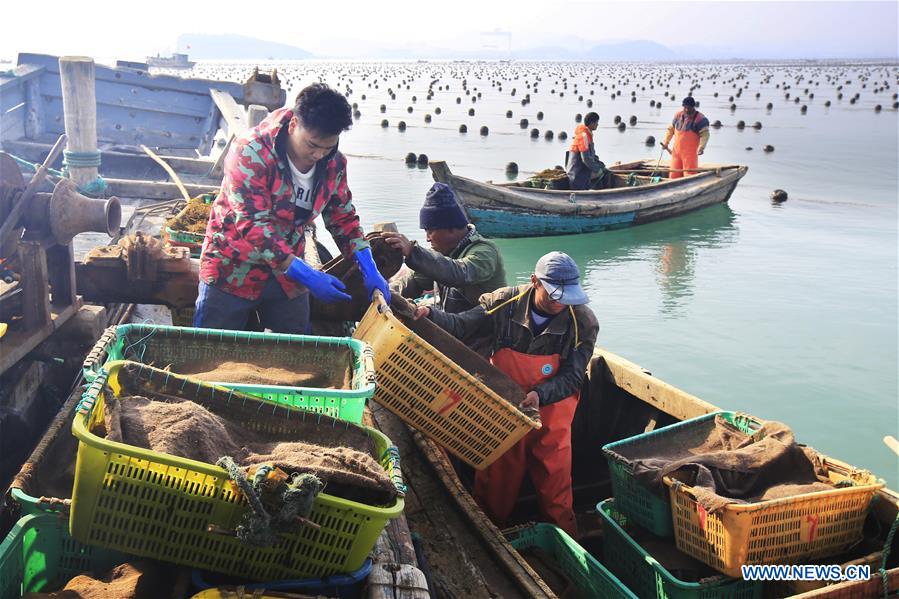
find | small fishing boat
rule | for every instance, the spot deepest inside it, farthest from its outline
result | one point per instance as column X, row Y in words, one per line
column 637, row 192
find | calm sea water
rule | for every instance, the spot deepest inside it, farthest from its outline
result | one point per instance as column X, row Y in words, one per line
column 785, row 311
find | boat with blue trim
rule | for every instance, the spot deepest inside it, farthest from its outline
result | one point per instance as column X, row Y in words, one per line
column 635, row 193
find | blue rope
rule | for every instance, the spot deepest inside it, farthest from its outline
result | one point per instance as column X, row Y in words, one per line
column 33, row 166
column 81, row 159
column 97, row 187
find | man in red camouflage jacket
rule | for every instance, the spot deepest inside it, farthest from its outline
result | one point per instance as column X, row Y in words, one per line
column 278, row 177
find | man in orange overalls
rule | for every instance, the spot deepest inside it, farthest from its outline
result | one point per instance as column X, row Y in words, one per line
column 690, row 130
column 542, row 336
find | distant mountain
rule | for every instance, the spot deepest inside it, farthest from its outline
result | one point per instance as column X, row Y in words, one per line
column 630, row 50
column 637, row 50
column 229, row 46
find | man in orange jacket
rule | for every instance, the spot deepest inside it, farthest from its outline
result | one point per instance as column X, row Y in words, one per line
column 690, row 130
column 542, row 335
column 583, row 166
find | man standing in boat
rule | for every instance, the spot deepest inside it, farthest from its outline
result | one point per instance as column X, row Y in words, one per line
column 585, row 170
column 542, row 335
column 690, row 130
column 461, row 263
column 278, row 177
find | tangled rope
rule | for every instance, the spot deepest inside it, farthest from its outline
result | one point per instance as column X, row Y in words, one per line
column 289, row 498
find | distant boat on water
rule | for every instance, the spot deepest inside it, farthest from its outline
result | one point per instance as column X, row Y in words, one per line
column 175, row 61
column 633, row 196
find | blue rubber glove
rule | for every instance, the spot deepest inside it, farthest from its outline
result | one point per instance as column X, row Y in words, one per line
column 370, row 275
column 321, row 285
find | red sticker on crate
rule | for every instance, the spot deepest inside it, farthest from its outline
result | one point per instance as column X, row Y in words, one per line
column 808, row 528
column 453, row 400
column 703, row 515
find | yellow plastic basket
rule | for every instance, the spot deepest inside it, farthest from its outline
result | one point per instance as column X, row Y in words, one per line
column 437, row 397
column 161, row 506
column 781, row 531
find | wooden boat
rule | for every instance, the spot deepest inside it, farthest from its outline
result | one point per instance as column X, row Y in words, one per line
column 180, row 118
column 175, row 61
column 467, row 555
column 513, row 210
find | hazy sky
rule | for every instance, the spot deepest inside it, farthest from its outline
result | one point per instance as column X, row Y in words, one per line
column 131, row 30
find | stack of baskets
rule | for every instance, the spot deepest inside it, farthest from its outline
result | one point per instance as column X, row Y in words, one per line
column 178, row 347
column 790, row 530
column 130, row 501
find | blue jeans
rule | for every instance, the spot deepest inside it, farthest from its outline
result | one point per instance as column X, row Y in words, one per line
column 217, row 309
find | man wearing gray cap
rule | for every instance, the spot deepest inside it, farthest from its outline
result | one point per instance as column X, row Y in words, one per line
column 542, row 336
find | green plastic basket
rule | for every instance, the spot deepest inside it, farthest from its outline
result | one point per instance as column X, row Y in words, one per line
column 177, row 347
column 591, row 578
column 644, row 507
column 29, row 488
column 160, row 506
column 643, row 574
column 39, row 554
column 184, row 236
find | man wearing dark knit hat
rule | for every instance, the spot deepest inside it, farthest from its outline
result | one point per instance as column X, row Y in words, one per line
column 462, row 264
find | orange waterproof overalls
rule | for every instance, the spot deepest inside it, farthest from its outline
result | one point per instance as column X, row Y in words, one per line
column 545, row 454
column 684, row 154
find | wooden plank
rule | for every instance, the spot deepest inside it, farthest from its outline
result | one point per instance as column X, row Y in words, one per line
column 104, row 285
column 11, row 99
column 462, row 556
column 34, row 106
column 122, row 126
column 15, row 345
column 79, row 112
column 658, row 393
column 133, row 77
column 396, row 581
column 12, row 125
column 218, row 167
column 61, row 274
column 154, row 190
column 233, row 113
column 35, row 297
column 210, row 128
column 21, row 74
column 256, row 114
column 137, row 98
column 36, row 151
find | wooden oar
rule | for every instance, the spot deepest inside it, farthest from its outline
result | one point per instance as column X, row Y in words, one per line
column 171, row 172
column 892, row 443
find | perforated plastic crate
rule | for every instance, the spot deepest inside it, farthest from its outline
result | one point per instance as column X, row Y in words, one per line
column 790, row 530
column 644, row 507
column 437, row 397
column 646, row 577
column 178, row 348
column 38, row 554
column 161, row 506
column 590, row 578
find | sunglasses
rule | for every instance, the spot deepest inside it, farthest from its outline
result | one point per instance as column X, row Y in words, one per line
column 559, row 291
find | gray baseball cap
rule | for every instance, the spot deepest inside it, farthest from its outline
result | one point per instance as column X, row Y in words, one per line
column 560, row 276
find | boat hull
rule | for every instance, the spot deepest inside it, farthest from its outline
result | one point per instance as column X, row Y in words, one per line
column 504, row 211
